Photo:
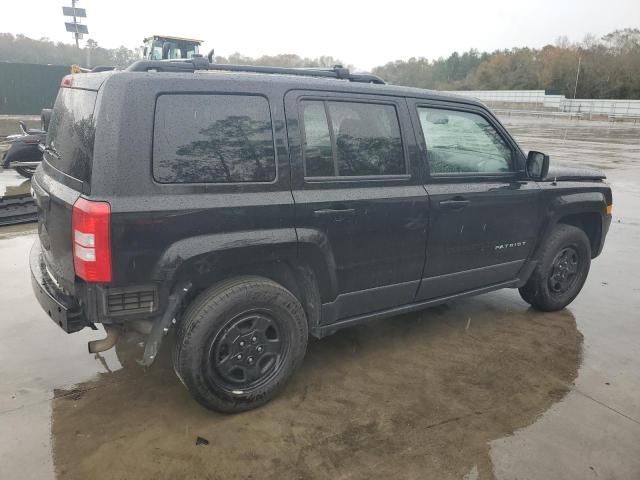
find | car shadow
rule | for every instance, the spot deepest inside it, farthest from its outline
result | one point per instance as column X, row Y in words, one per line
column 415, row 396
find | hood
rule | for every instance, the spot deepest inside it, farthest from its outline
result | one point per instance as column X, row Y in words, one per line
column 561, row 172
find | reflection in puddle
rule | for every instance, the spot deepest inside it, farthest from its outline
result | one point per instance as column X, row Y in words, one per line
column 417, row 393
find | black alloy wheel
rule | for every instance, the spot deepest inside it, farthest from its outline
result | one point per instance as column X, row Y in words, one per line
column 564, row 270
column 247, row 351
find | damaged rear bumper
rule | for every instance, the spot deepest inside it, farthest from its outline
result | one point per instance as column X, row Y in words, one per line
column 64, row 311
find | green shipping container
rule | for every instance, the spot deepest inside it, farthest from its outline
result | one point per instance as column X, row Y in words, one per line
column 27, row 88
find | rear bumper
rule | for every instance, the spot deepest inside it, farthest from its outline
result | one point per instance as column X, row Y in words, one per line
column 63, row 310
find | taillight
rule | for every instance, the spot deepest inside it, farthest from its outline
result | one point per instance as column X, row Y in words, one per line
column 67, row 81
column 91, row 230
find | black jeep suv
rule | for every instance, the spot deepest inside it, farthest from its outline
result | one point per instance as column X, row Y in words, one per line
column 248, row 207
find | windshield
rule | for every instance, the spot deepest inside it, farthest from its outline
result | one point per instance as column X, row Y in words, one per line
column 166, row 49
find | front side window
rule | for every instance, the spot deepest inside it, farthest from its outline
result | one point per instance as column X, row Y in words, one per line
column 462, row 143
column 213, row 139
column 357, row 139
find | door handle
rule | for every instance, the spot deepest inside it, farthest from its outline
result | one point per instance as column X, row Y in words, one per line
column 456, row 204
column 334, row 211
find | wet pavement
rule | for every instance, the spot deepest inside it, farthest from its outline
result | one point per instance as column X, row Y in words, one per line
column 479, row 388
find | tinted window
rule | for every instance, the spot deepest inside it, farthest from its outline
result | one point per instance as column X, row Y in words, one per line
column 462, row 142
column 365, row 139
column 213, row 138
column 317, row 141
column 72, row 133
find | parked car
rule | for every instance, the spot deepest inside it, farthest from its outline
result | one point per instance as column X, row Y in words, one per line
column 251, row 209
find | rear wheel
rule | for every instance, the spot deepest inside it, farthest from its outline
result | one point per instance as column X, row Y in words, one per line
column 239, row 343
column 564, row 265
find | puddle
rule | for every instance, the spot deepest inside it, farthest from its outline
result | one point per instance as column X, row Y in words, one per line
column 400, row 395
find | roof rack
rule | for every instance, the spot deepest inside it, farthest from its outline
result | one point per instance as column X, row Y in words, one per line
column 201, row 63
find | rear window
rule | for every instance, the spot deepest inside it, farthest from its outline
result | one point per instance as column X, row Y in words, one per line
column 213, row 139
column 349, row 139
column 71, row 133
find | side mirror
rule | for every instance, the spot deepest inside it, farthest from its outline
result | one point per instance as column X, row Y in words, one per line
column 537, row 165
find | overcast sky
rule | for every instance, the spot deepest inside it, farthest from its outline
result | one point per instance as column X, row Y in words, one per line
column 364, row 34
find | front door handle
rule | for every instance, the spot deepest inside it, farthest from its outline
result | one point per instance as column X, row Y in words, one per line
column 334, row 212
column 456, row 204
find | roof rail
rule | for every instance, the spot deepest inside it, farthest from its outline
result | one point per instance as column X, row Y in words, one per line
column 201, row 63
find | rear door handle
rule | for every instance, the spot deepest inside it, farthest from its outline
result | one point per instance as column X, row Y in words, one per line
column 455, row 204
column 334, row 212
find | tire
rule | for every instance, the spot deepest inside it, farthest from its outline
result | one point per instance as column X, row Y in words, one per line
column 565, row 260
column 239, row 343
column 26, row 172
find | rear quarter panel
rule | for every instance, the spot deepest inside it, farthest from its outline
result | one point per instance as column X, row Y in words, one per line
column 156, row 228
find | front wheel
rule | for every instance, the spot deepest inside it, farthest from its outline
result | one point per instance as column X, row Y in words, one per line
column 564, row 265
column 239, row 343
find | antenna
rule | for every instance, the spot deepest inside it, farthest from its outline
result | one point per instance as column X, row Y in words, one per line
column 76, row 28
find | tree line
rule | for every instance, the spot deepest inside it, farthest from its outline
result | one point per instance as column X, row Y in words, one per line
column 20, row 48
column 607, row 67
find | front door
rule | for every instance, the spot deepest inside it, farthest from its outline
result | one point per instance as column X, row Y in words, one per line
column 484, row 217
column 359, row 199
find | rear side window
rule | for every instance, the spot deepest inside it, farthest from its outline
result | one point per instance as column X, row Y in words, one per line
column 351, row 139
column 213, row 139
column 71, row 133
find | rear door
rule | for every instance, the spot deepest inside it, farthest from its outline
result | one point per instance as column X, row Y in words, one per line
column 358, row 193
column 65, row 173
column 484, row 214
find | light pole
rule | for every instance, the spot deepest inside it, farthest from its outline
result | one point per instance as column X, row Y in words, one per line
column 75, row 27
column 575, row 90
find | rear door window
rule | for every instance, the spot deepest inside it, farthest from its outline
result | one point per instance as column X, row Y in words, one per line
column 213, row 139
column 354, row 139
column 71, row 133
column 317, row 141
